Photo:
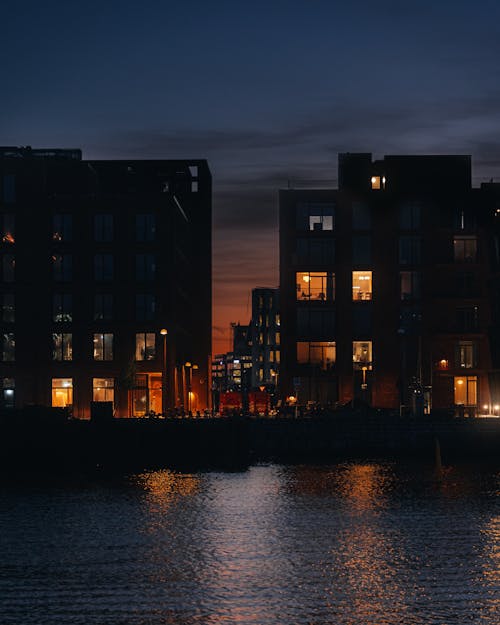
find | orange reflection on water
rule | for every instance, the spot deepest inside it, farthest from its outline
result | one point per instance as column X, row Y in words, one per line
column 364, row 486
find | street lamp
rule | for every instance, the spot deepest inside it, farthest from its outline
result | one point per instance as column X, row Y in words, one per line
column 190, row 368
column 164, row 333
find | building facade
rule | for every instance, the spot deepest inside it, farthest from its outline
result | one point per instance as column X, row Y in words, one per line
column 265, row 337
column 386, row 286
column 98, row 257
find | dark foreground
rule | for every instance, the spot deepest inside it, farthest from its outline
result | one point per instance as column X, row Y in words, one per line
column 40, row 439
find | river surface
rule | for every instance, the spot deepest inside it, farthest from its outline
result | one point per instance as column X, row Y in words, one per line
column 357, row 543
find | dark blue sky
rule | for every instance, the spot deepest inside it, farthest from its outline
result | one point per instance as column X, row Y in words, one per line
column 266, row 91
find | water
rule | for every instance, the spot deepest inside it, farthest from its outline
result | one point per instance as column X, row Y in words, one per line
column 358, row 543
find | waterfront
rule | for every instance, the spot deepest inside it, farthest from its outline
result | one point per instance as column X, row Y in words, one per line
column 354, row 543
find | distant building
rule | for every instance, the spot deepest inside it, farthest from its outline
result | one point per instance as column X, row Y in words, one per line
column 387, row 285
column 233, row 371
column 265, row 337
column 97, row 257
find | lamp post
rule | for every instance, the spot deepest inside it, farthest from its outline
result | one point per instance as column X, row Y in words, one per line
column 190, row 368
column 164, row 333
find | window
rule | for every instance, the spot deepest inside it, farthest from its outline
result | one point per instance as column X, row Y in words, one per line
column 317, row 251
column 8, row 308
column 103, row 267
column 103, row 307
column 62, row 267
column 467, row 318
column 8, row 268
column 466, row 354
column 62, row 346
column 145, row 347
column 465, row 390
column 9, row 188
column 319, row 285
column 8, row 393
column 62, row 392
column 145, row 307
column 7, row 232
column 361, row 250
column 62, row 307
column 103, row 346
column 361, row 216
column 8, row 347
column 145, row 227
column 362, row 354
column 320, row 353
column 144, row 267
column 409, row 282
column 316, row 216
column 62, row 228
column 409, row 216
column 103, row 228
column 317, row 322
column 361, row 285
column 103, row 389
column 465, row 249
column 409, row 250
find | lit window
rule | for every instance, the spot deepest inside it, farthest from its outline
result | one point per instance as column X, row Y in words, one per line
column 465, row 390
column 145, row 347
column 375, row 180
column 320, row 353
column 62, row 346
column 465, row 249
column 466, row 354
column 361, row 285
column 8, row 393
column 362, row 354
column 8, row 347
column 62, row 392
column 315, row 216
column 103, row 346
column 103, row 389
column 318, row 285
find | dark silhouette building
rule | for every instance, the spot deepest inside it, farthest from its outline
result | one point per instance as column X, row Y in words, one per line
column 265, row 337
column 387, row 285
column 97, row 258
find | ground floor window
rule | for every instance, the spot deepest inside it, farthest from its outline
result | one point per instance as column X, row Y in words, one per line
column 103, row 389
column 8, row 392
column 465, row 388
column 62, row 392
column 146, row 396
column 362, row 354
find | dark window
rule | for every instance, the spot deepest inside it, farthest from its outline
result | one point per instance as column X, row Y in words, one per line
column 9, row 188
column 62, row 227
column 103, row 306
column 361, row 216
column 466, row 354
column 409, row 284
column 62, row 346
column 8, row 347
column 8, row 268
column 315, row 251
column 62, row 307
column 8, row 308
column 62, row 265
column 362, row 320
column 409, row 216
column 145, row 227
column 467, row 318
column 144, row 267
column 465, row 249
column 103, row 267
column 144, row 307
column 361, row 250
column 409, row 250
column 315, row 324
column 103, row 228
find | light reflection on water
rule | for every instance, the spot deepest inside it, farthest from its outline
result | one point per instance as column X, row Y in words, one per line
column 357, row 543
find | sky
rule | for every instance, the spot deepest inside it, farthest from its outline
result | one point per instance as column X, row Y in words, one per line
column 268, row 92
